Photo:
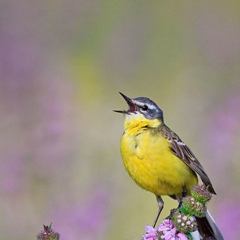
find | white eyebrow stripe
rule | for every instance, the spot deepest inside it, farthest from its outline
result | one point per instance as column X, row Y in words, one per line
column 151, row 106
column 138, row 103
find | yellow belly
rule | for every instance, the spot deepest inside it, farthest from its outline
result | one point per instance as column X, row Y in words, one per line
column 149, row 161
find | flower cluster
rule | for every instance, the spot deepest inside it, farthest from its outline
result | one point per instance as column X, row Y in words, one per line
column 182, row 221
column 193, row 207
column 166, row 231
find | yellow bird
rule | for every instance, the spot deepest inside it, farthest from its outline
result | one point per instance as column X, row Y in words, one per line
column 158, row 160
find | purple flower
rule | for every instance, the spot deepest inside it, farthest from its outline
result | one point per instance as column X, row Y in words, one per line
column 169, row 232
column 181, row 236
column 151, row 233
column 166, row 225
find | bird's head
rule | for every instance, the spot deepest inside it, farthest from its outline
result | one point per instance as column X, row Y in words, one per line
column 142, row 109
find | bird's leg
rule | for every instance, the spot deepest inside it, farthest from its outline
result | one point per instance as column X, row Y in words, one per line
column 184, row 194
column 160, row 207
column 179, row 202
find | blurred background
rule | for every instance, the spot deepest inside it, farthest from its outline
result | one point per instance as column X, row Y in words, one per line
column 62, row 64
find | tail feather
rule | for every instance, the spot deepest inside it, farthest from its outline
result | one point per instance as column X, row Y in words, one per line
column 212, row 223
column 208, row 228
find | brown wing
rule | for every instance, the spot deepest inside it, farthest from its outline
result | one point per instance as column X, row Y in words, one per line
column 181, row 150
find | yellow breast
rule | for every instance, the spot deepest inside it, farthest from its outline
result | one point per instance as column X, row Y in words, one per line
column 150, row 162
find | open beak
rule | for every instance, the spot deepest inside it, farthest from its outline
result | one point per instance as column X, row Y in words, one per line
column 130, row 104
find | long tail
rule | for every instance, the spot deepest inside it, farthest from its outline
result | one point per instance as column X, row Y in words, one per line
column 208, row 228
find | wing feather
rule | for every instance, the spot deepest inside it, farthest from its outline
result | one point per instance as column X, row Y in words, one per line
column 181, row 150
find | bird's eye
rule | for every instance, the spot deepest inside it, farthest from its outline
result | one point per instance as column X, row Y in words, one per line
column 144, row 107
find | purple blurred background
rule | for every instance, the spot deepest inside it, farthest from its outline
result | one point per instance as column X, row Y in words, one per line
column 62, row 64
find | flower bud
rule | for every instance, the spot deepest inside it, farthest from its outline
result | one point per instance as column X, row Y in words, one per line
column 201, row 193
column 193, row 207
column 48, row 234
column 183, row 222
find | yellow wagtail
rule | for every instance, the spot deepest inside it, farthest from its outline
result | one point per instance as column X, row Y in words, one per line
column 159, row 161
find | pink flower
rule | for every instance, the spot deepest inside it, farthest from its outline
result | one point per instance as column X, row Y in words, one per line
column 181, row 236
column 166, row 231
column 151, row 233
column 166, row 225
column 169, row 232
